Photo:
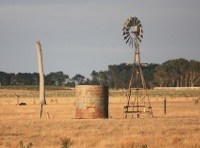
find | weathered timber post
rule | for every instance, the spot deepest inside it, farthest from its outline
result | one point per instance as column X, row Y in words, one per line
column 165, row 106
column 17, row 99
column 41, row 76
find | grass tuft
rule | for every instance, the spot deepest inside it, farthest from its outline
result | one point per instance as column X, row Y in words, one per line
column 144, row 146
column 66, row 142
column 23, row 145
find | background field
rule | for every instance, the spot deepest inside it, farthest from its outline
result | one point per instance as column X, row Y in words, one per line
column 179, row 128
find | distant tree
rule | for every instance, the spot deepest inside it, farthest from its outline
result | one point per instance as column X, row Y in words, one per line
column 70, row 83
column 100, row 77
column 103, row 77
column 114, row 71
column 56, row 78
column 35, row 78
column 61, row 78
column 119, row 75
column 194, row 73
column 78, row 79
column 125, row 74
column 160, row 76
column 24, row 79
column 49, row 79
column 178, row 73
column 148, row 72
column 95, row 77
column 4, row 78
column 87, row 81
column 13, row 79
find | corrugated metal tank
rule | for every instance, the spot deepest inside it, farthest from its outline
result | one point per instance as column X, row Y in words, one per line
column 91, row 101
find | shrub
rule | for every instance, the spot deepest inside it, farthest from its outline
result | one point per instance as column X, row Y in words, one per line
column 23, row 145
column 144, row 146
column 65, row 143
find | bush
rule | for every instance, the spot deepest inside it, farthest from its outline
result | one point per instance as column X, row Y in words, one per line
column 23, row 145
column 65, row 143
column 144, row 146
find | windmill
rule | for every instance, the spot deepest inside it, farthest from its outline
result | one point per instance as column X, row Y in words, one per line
column 137, row 101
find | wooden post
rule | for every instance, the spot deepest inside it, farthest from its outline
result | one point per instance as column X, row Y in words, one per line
column 165, row 106
column 17, row 99
column 41, row 76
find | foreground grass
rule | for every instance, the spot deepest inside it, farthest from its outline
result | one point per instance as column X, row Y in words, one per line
column 103, row 133
column 179, row 128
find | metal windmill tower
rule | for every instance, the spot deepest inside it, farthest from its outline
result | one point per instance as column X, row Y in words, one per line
column 137, row 99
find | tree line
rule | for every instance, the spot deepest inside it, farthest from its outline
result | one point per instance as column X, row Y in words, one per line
column 172, row 73
column 178, row 73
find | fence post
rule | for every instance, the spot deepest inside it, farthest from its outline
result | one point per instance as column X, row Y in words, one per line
column 165, row 106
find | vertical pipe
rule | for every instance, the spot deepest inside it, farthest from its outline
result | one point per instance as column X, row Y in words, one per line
column 137, row 52
column 41, row 76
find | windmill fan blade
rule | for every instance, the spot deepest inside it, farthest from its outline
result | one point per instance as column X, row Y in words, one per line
column 141, row 31
column 138, row 38
column 135, row 21
column 129, row 24
column 138, row 22
column 127, row 21
column 132, row 22
column 130, row 42
column 127, row 29
column 125, row 33
column 139, row 25
column 128, row 39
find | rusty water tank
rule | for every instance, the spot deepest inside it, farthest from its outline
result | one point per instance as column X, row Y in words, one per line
column 91, row 101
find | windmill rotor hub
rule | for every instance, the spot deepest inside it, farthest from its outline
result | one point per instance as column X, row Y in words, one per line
column 136, row 30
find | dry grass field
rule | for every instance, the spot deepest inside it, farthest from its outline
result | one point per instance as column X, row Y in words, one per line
column 180, row 128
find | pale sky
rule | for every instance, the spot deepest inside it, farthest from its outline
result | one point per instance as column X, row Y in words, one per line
column 80, row 36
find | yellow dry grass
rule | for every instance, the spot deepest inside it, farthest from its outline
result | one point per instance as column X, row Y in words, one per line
column 179, row 128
